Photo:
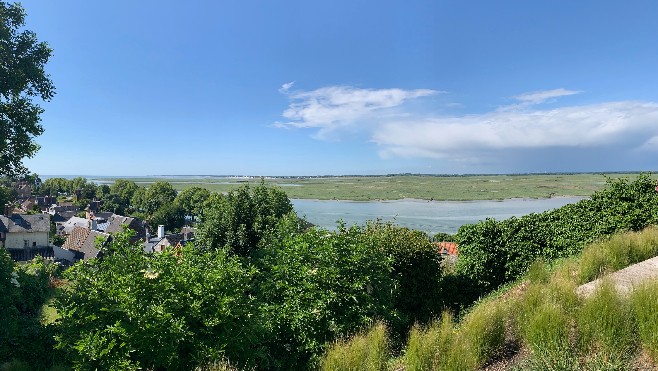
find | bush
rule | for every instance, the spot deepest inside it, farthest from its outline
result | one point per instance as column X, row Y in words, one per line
column 492, row 253
column 416, row 271
column 241, row 218
column 318, row 286
column 23, row 291
column 173, row 310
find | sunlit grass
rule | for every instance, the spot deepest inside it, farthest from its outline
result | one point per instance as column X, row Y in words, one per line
column 367, row 351
column 644, row 301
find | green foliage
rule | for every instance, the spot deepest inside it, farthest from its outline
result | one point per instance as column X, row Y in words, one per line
column 318, row 286
column 23, row 78
column 241, row 218
column 416, row 271
column 23, row 291
column 365, row 351
column 191, row 200
column 547, row 332
column 5, row 195
column 171, row 215
column 174, row 310
column 443, row 237
column 482, row 332
column 494, row 252
column 119, row 196
column 54, row 186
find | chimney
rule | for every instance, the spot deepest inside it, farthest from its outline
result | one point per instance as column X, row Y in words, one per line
column 7, row 211
column 161, row 231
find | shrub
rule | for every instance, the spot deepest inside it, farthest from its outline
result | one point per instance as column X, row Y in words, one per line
column 173, row 310
column 318, row 286
column 493, row 253
column 416, row 269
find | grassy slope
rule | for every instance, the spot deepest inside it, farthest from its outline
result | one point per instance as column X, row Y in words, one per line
column 448, row 188
column 540, row 323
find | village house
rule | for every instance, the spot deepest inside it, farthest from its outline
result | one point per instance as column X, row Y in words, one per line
column 162, row 241
column 117, row 223
column 85, row 243
column 25, row 236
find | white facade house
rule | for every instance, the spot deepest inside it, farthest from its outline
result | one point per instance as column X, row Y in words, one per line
column 24, row 232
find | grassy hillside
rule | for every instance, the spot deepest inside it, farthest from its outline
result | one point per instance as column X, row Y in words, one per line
column 538, row 323
column 449, row 188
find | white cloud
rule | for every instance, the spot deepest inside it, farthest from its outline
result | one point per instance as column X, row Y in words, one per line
column 526, row 100
column 285, row 87
column 591, row 126
column 611, row 128
column 339, row 107
column 542, row 96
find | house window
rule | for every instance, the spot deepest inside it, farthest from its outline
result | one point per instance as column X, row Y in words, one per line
column 34, row 244
column 26, row 243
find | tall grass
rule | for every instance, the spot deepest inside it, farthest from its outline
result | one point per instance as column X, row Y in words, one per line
column 644, row 302
column 618, row 252
column 606, row 325
column 482, row 333
column 366, row 351
column 432, row 347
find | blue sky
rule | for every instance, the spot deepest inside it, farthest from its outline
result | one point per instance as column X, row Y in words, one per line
column 348, row 87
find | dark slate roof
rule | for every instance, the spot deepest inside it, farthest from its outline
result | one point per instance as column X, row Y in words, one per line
column 19, row 223
column 63, row 216
column 116, row 223
column 84, row 241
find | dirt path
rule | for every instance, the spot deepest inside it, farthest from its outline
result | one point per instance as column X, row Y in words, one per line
column 626, row 279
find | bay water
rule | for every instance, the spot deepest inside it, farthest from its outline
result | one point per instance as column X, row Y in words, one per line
column 427, row 216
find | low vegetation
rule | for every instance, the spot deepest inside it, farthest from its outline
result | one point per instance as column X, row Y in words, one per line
column 541, row 324
column 421, row 187
column 264, row 290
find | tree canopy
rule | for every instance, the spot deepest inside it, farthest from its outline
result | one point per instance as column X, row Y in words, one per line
column 22, row 78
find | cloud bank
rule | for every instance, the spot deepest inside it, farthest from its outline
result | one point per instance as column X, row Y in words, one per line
column 614, row 128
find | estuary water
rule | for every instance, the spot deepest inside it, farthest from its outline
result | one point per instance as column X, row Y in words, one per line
column 427, row 216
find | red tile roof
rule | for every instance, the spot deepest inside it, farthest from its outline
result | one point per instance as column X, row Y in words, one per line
column 448, row 248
